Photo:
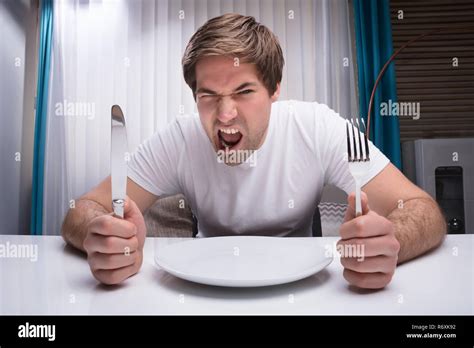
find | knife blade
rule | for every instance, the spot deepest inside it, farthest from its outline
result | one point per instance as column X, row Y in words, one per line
column 118, row 164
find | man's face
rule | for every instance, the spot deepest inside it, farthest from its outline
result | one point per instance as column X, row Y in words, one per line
column 234, row 106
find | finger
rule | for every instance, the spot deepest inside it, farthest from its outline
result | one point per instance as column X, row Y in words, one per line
column 130, row 209
column 367, row 280
column 369, row 247
column 369, row 225
column 110, row 244
column 99, row 261
column 115, row 276
column 382, row 264
column 350, row 212
column 108, row 225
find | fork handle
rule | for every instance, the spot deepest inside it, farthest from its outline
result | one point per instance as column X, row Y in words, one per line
column 358, row 209
column 118, row 206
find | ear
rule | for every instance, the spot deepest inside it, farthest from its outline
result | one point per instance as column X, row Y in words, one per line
column 275, row 95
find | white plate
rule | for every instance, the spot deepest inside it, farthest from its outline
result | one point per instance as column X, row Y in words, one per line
column 243, row 261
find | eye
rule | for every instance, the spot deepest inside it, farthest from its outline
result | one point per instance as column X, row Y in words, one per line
column 246, row 91
column 205, row 96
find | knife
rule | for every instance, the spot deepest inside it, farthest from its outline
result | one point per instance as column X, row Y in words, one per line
column 118, row 164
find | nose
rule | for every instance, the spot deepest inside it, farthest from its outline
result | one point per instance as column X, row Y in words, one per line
column 226, row 110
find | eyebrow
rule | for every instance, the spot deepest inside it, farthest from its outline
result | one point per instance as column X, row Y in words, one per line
column 242, row 86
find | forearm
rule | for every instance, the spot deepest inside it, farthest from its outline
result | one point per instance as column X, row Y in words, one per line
column 74, row 228
column 419, row 226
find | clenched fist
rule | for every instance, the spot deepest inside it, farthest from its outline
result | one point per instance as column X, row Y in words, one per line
column 114, row 246
column 372, row 235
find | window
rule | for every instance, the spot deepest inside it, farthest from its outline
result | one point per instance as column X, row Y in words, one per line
column 438, row 71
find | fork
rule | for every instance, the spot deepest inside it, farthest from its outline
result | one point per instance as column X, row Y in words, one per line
column 358, row 156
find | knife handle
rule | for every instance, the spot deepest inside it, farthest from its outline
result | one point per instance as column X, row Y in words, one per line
column 118, row 206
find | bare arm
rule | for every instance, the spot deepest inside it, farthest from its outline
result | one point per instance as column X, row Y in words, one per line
column 418, row 222
column 75, row 223
column 419, row 227
column 399, row 222
column 95, row 203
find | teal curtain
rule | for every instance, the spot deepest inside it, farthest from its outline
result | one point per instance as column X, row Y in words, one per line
column 44, row 63
column 374, row 47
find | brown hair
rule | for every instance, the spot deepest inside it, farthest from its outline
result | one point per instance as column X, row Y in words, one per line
column 236, row 36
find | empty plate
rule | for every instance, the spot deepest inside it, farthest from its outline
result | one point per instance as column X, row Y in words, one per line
column 243, row 261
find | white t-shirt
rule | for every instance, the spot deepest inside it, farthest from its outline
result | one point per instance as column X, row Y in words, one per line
column 274, row 193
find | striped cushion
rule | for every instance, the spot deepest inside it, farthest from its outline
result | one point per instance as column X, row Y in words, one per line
column 332, row 216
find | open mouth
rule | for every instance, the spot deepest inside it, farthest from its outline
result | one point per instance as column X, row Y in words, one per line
column 228, row 138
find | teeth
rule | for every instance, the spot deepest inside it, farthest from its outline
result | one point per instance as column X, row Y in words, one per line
column 229, row 130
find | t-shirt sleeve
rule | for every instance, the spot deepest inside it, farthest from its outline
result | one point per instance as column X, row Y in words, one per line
column 332, row 142
column 154, row 165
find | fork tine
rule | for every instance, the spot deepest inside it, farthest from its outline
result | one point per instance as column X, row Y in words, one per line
column 356, row 150
column 367, row 154
column 361, row 150
column 349, row 152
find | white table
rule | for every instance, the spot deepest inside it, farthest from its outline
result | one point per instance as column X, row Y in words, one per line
column 60, row 282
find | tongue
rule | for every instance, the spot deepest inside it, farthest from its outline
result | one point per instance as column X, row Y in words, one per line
column 231, row 138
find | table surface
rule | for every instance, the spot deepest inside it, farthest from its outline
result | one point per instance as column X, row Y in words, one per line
column 60, row 282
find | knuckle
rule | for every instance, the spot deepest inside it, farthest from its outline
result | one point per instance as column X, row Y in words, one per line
column 106, row 223
column 359, row 225
column 395, row 246
column 395, row 261
column 398, row 246
column 108, row 243
column 133, row 244
column 131, row 228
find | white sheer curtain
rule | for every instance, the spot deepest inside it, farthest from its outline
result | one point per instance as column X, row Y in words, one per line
column 18, row 49
column 129, row 53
